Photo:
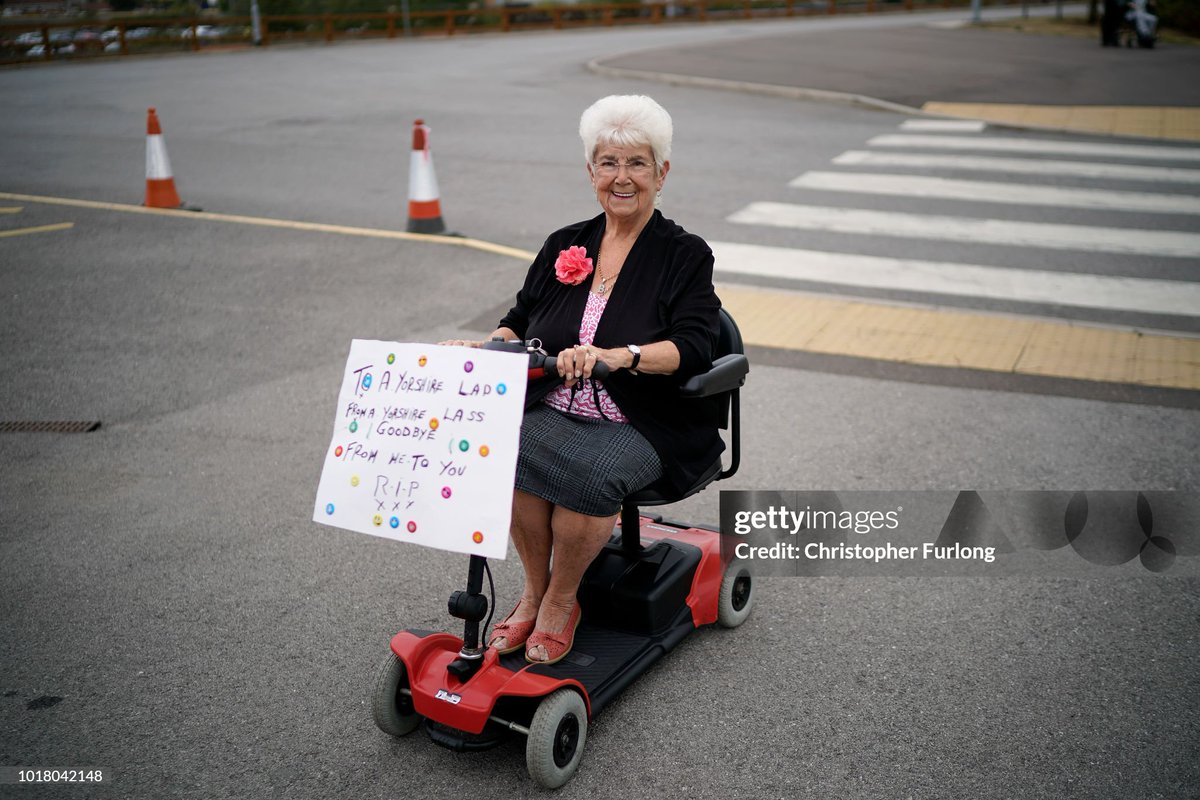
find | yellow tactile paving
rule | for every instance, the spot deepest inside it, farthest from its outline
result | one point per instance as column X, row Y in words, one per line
column 1163, row 362
column 1181, row 123
column 1079, row 352
column 942, row 338
column 1158, row 122
column 914, row 336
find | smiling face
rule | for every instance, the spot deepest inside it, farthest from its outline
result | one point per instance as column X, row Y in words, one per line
column 626, row 193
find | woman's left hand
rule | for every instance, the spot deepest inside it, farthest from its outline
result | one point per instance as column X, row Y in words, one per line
column 576, row 363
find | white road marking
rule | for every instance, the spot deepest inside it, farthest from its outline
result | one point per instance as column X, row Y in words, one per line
column 456, row 241
column 995, row 192
column 963, row 280
column 944, row 125
column 1023, row 166
column 966, row 229
column 58, row 226
column 1048, row 146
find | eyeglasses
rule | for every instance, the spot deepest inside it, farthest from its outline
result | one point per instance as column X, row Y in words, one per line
column 609, row 167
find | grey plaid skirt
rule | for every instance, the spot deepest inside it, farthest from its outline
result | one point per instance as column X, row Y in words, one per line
column 586, row 465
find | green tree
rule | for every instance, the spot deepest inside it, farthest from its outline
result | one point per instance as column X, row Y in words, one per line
column 1182, row 15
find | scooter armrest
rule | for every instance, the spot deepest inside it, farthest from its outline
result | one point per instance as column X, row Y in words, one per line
column 726, row 374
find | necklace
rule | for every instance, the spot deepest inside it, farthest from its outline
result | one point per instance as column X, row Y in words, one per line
column 604, row 279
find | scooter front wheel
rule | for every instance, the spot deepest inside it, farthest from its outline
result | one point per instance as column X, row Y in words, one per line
column 392, row 708
column 737, row 596
column 556, row 738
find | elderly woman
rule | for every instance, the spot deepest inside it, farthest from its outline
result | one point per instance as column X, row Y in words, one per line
column 634, row 290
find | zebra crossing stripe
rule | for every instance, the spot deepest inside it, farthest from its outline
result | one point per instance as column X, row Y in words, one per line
column 943, row 125
column 960, row 280
column 965, row 229
column 997, row 192
column 1048, row 146
column 1022, row 166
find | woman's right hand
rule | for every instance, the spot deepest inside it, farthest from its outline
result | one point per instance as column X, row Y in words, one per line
column 576, row 363
column 461, row 343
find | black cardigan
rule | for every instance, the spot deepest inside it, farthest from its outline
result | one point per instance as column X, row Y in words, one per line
column 665, row 293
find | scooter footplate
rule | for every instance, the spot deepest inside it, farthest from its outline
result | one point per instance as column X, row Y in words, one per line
column 605, row 661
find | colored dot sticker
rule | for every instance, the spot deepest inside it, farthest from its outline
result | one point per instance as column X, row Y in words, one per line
column 446, row 492
column 338, row 452
column 433, row 423
column 354, row 426
column 464, row 445
column 501, row 388
column 391, row 358
column 367, row 381
column 377, row 519
column 477, row 537
column 329, row 508
column 354, row 480
column 395, row 523
column 422, row 361
column 484, row 450
column 470, row 365
column 412, row 526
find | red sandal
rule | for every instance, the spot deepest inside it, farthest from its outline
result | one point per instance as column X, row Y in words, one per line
column 557, row 644
column 515, row 633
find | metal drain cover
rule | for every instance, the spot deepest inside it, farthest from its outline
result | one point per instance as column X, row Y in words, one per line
column 48, row 426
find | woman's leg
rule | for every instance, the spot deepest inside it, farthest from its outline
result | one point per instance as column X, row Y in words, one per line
column 578, row 538
column 532, row 537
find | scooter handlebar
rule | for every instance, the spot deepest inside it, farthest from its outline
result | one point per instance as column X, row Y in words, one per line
column 540, row 366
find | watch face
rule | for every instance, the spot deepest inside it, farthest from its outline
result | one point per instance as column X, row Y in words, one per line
column 633, row 348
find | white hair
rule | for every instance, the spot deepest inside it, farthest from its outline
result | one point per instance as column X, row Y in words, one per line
column 629, row 120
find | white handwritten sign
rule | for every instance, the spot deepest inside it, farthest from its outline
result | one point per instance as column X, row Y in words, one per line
column 424, row 446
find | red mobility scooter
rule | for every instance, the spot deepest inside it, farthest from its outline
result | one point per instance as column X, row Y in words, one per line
column 651, row 585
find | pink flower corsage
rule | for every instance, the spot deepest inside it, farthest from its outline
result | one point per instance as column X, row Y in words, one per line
column 573, row 265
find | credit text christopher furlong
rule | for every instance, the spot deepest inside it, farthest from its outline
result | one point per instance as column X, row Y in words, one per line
column 783, row 520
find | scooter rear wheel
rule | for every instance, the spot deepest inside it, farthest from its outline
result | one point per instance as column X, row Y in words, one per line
column 556, row 738
column 393, row 709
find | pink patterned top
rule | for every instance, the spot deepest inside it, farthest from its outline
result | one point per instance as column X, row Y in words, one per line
column 584, row 402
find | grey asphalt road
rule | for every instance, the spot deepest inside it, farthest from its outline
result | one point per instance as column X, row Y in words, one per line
column 916, row 64
column 206, row 640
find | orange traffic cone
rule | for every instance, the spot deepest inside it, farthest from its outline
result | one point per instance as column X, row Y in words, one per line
column 160, row 183
column 424, row 207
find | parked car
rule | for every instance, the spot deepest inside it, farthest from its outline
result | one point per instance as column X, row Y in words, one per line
column 37, row 51
column 31, row 37
column 87, row 40
column 202, row 32
column 232, row 31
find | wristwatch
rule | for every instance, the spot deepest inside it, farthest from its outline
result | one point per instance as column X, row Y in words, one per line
column 637, row 356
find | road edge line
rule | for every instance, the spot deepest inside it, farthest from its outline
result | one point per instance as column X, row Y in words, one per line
column 318, row 227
